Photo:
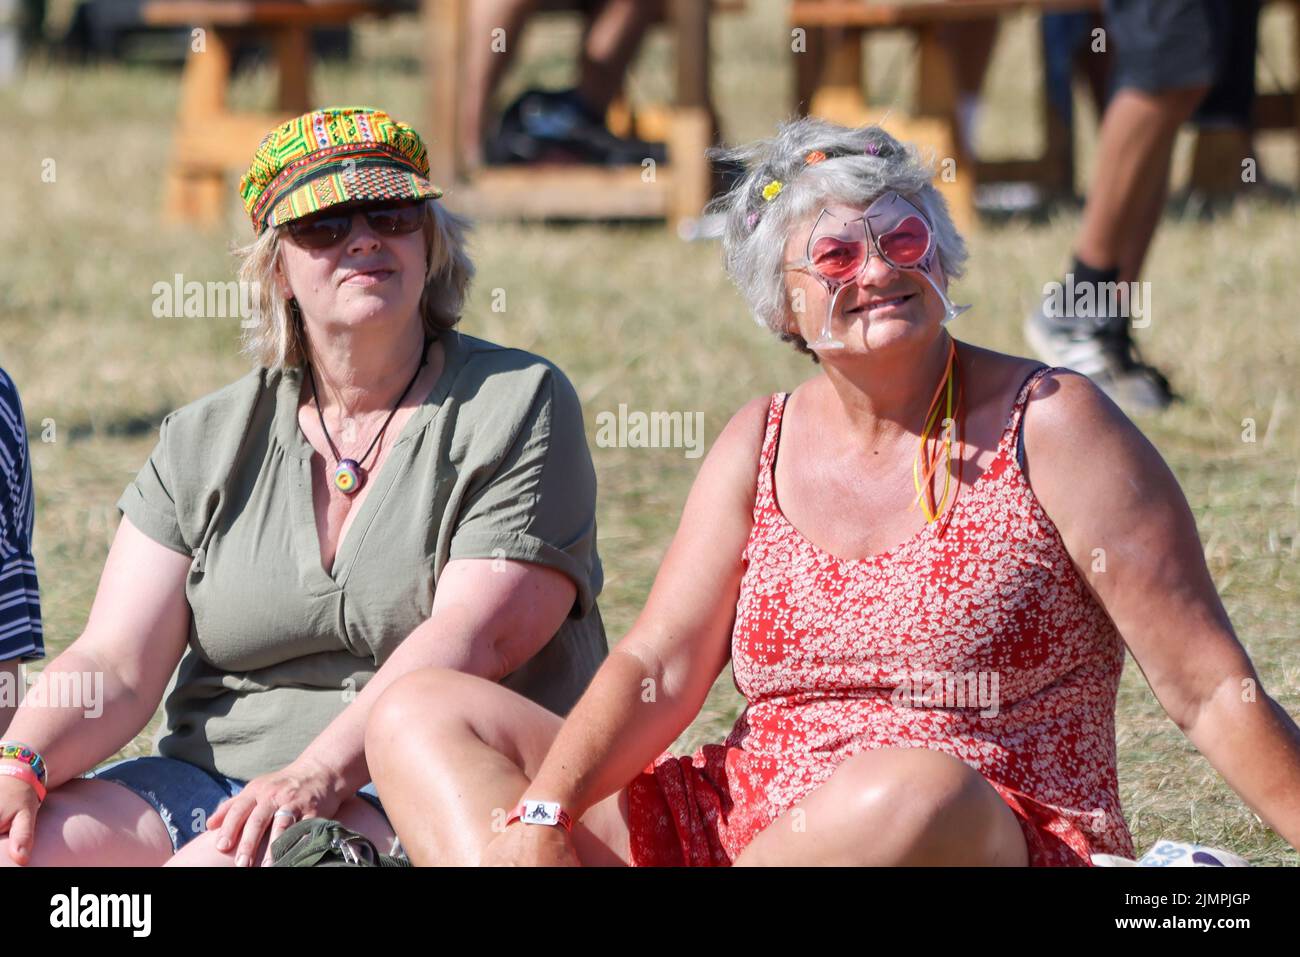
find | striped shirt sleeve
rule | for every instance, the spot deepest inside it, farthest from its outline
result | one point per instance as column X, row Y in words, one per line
column 20, row 605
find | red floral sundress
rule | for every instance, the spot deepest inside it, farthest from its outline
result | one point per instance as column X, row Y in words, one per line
column 835, row 657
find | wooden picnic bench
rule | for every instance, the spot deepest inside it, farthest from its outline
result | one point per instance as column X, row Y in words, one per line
column 1220, row 152
column 829, row 82
column 211, row 140
column 673, row 191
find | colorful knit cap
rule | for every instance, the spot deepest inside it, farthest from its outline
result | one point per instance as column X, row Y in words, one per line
column 336, row 155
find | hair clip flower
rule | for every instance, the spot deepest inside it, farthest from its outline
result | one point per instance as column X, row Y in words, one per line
column 873, row 149
column 816, row 156
column 772, row 190
column 752, row 220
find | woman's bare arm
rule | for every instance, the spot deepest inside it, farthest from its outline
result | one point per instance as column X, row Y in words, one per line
column 1106, row 487
column 657, row 678
column 489, row 617
column 138, row 627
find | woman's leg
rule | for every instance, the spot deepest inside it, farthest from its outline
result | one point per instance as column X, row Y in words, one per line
column 354, row 813
column 88, row 823
column 451, row 754
column 895, row 806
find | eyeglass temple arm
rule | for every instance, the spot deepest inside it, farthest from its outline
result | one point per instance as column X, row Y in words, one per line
column 950, row 310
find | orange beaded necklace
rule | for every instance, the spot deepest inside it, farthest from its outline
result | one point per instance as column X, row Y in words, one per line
column 928, row 462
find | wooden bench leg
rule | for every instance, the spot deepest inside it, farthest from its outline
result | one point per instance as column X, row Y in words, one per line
column 293, row 54
column 1295, row 47
column 692, row 124
column 807, row 68
column 193, row 194
column 1056, row 164
column 689, row 135
column 839, row 97
column 444, row 25
column 937, row 102
column 619, row 118
column 194, row 197
column 1216, row 162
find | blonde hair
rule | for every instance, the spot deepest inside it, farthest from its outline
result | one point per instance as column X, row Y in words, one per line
column 273, row 338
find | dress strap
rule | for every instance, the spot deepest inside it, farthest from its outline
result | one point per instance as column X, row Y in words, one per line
column 1013, row 432
column 764, row 497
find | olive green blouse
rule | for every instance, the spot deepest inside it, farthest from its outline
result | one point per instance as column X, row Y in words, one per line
column 493, row 464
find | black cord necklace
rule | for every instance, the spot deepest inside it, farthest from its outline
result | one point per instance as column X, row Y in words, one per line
column 349, row 476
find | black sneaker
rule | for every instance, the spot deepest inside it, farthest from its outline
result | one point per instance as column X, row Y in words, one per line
column 1106, row 353
column 556, row 126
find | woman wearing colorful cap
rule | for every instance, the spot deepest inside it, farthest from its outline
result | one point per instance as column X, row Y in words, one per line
column 381, row 494
column 925, row 605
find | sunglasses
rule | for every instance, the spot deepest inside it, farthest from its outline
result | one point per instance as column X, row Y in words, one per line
column 842, row 243
column 329, row 228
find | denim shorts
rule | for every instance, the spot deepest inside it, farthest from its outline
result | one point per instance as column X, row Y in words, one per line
column 184, row 795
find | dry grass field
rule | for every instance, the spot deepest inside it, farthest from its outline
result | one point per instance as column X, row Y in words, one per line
column 636, row 316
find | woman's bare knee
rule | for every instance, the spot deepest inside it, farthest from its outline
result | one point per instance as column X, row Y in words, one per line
column 927, row 807
column 430, row 699
column 440, row 702
column 895, row 806
column 90, row 823
column 415, row 699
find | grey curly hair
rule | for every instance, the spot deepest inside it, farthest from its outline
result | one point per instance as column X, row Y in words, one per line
column 275, row 339
column 861, row 164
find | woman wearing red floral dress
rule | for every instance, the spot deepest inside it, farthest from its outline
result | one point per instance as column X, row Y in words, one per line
column 931, row 685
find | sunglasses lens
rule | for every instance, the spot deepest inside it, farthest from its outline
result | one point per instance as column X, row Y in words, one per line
column 321, row 232
column 396, row 220
column 907, row 243
column 318, row 232
column 836, row 259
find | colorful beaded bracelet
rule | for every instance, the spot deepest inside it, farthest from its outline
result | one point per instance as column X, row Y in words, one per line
column 17, row 751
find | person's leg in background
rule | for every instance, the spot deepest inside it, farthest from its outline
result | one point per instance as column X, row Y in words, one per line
column 970, row 47
column 1064, row 37
column 1168, row 53
column 1131, row 181
column 485, row 63
column 1235, row 24
column 568, row 126
column 613, row 36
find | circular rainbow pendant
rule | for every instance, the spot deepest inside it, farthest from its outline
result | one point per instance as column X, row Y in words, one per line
column 347, row 476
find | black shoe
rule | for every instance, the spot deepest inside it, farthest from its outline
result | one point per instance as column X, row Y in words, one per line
column 556, row 126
